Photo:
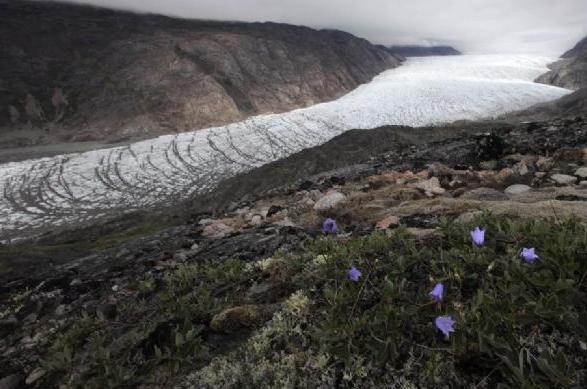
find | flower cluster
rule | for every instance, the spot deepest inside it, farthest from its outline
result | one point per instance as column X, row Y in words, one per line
column 446, row 324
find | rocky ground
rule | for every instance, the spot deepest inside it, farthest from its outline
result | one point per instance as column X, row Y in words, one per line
column 154, row 308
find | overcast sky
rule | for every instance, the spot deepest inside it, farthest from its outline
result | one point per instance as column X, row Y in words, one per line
column 529, row 26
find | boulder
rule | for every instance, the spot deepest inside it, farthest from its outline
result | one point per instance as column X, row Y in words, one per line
column 517, row 189
column 581, row 172
column 563, row 179
column 544, row 164
column 430, row 187
column 329, row 201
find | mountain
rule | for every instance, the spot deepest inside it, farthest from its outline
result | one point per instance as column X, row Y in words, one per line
column 422, row 51
column 571, row 71
column 73, row 73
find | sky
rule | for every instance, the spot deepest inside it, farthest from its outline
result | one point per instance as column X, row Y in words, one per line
column 548, row 27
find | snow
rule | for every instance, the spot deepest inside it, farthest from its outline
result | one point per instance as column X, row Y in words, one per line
column 41, row 194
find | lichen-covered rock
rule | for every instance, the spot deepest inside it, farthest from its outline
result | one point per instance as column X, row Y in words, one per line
column 517, row 189
column 563, row 179
column 430, row 187
column 329, row 201
column 581, row 172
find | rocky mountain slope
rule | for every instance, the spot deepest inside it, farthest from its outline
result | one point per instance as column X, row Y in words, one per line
column 422, row 51
column 571, row 71
column 74, row 73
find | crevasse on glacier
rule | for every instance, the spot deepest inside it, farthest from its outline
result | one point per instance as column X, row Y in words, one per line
column 49, row 192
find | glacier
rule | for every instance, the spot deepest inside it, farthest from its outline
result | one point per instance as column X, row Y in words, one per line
column 44, row 194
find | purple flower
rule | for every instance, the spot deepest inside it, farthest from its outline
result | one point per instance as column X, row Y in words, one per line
column 478, row 236
column 445, row 324
column 529, row 255
column 438, row 292
column 329, row 226
column 354, row 274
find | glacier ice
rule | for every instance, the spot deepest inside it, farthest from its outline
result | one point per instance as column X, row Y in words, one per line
column 41, row 194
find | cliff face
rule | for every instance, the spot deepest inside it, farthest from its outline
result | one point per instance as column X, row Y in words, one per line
column 79, row 73
column 571, row 71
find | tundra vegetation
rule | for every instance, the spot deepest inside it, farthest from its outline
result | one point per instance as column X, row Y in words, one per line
column 520, row 320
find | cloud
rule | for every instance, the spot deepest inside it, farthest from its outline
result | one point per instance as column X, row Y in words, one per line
column 538, row 26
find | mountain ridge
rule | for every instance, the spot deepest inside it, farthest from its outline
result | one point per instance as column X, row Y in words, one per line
column 79, row 73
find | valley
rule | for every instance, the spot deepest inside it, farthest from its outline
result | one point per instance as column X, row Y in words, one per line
column 77, row 189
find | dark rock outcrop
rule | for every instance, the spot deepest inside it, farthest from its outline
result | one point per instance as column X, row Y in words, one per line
column 74, row 73
column 422, row 51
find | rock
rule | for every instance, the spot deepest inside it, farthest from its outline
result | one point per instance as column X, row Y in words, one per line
column 35, row 375
column 583, row 183
column 256, row 220
column 329, row 201
column 217, row 230
column 563, row 179
column 430, row 187
column 545, row 164
column 490, row 146
column 285, row 222
column 517, row 189
column 396, row 177
column 107, row 311
column 205, row 222
column 61, row 310
column 12, row 381
column 389, row 221
column 266, row 292
column 581, row 172
column 570, row 155
column 504, row 176
column 235, row 319
column 468, row 217
column 8, row 324
column 501, row 178
column 274, row 209
column 484, row 194
column 488, row 165
column 521, row 169
column 424, row 233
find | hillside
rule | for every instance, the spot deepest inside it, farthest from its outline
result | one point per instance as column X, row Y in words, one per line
column 250, row 292
column 76, row 73
column 571, row 71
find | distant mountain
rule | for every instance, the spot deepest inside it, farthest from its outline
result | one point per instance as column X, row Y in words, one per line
column 72, row 73
column 571, row 71
column 422, row 51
